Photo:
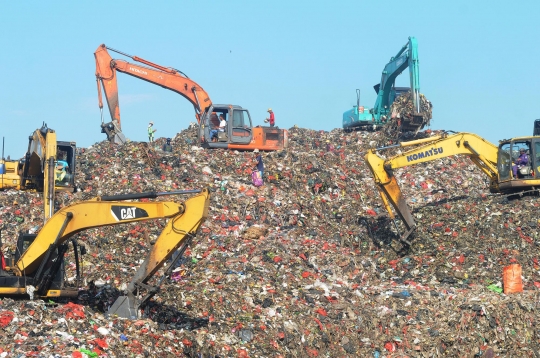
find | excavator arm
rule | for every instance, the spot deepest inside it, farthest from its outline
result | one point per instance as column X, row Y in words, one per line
column 481, row 152
column 406, row 57
column 166, row 77
column 414, row 73
column 184, row 221
column 397, row 64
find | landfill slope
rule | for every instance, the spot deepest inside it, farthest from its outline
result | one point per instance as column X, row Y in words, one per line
column 308, row 265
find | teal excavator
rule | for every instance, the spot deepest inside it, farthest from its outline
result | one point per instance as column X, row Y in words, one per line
column 360, row 118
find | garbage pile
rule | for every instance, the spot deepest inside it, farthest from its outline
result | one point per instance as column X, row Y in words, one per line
column 404, row 120
column 308, row 265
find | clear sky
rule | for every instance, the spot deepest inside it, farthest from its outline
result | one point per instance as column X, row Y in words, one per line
column 478, row 62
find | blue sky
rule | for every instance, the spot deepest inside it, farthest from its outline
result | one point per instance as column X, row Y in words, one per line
column 479, row 62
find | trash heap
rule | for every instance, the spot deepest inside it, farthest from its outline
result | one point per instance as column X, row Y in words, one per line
column 402, row 121
column 307, row 265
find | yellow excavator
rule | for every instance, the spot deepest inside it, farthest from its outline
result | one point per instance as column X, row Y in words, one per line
column 48, row 166
column 36, row 269
column 497, row 162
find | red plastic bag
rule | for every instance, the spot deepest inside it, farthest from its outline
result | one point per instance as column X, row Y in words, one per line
column 72, row 311
column 5, row 318
column 512, row 279
column 2, row 260
column 256, row 178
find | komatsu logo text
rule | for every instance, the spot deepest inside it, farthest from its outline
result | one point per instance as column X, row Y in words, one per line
column 138, row 71
column 427, row 153
column 127, row 212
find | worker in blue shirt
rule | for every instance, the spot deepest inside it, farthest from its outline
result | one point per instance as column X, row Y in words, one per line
column 260, row 164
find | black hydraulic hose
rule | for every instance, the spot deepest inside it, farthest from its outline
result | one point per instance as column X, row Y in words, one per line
column 120, row 52
column 77, row 263
column 127, row 55
column 151, row 195
column 180, row 72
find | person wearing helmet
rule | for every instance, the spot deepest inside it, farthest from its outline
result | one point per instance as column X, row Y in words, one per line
column 271, row 119
column 61, row 170
column 329, row 146
column 167, row 147
column 151, row 132
column 520, row 162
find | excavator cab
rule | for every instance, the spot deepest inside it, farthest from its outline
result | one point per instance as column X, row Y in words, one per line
column 49, row 279
column 536, row 129
column 527, row 175
column 239, row 128
column 239, row 132
column 28, row 173
column 65, row 166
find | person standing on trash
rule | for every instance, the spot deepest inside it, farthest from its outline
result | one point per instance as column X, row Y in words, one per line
column 329, row 146
column 151, row 132
column 521, row 161
column 260, row 164
column 167, row 147
column 271, row 119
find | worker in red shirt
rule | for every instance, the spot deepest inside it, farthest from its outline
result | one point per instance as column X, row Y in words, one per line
column 271, row 119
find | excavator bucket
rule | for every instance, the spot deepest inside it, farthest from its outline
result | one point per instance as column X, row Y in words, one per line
column 390, row 193
column 174, row 238
column 413, row 124
column 124, row 307
column 113, row 132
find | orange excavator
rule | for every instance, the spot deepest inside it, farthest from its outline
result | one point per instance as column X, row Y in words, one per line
column 239, row 133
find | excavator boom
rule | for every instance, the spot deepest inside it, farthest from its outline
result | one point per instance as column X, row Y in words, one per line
column 481, row 152
column 174, row 80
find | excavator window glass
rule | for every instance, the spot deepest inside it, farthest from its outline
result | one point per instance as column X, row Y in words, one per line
column 214, row 121
column 536, row 130
column 516, row 148
column 504, row 164
column 23, row 242
column 241, row 119
column 536, row 163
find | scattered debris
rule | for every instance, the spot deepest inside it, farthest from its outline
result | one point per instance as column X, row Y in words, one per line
column 307, row 265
